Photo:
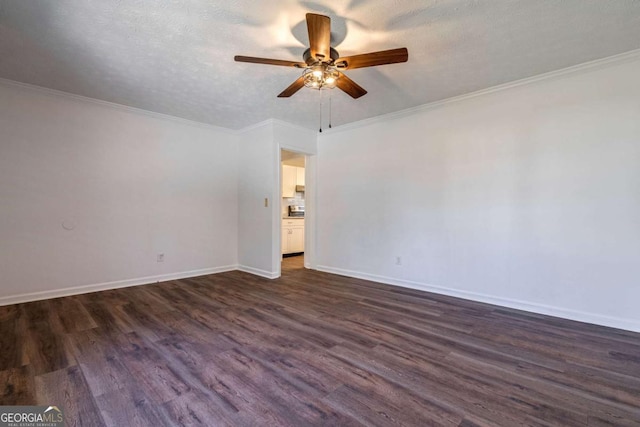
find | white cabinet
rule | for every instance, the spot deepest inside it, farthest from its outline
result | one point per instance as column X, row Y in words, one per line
column 291, row 176
column 289, row 180
column 300, row 176
column 292, row 235
column 284, row 240
column 296, row 240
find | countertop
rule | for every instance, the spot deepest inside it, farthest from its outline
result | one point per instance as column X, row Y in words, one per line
column 292, row 217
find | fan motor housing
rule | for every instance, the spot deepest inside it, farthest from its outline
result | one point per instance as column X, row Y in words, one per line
column 310, row 60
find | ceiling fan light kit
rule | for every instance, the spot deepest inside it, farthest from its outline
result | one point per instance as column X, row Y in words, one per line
column 320, row 77
column 323, row 65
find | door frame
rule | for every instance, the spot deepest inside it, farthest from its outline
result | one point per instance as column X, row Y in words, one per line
column 310, row 209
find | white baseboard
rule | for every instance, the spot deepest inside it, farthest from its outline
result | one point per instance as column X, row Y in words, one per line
column 76, row 290
column 596, row 319
column 258, row 272
column 565, row 313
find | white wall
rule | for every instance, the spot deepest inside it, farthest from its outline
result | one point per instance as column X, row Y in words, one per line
column 305, row 141
column 256, row 182
column 259, row 178
column 527, row 197
column 131, row 184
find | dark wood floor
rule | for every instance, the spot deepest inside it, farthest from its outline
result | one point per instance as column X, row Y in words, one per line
column 311, row 349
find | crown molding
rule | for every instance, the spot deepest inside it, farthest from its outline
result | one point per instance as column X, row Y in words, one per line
column 121, row 107
column 272, row 122
column 574, row 69
column 292, row 126
column 263, row 123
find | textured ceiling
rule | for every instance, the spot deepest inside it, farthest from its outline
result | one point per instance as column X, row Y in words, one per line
column 176, row 56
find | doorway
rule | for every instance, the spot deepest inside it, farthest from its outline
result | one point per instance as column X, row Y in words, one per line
column 292, row 208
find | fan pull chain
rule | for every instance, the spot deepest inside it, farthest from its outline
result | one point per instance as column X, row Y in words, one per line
column 320, row 90
column 329, row 110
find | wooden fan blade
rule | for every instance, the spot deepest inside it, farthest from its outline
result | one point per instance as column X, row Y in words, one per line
column 372, row 59
column 350, row 87
column 319, row 27
column 293, row 88
column 268, row 61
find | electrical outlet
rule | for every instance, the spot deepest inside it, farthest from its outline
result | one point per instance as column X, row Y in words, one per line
column 160, row 258
column 398, row 260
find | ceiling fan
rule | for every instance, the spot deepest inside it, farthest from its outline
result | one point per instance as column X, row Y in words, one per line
column 323, row 65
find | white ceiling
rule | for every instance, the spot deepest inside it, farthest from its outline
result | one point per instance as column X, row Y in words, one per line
column 176, row 56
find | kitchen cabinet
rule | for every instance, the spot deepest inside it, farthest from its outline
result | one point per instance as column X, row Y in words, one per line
column 300, row 176
column 296, row 240
column 291, row 176
column 289, row 180
column 292, row 240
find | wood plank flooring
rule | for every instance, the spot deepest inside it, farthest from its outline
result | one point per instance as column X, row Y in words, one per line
column 311, row 349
